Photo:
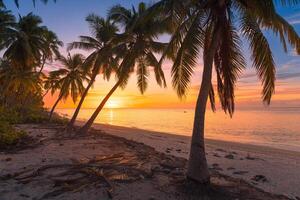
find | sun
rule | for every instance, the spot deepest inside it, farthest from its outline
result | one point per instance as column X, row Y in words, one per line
column 113, row 103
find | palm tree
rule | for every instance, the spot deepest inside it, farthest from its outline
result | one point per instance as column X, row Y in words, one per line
column 101, row 59
column 51, row 48
column 28, row 42
column 17, row 86
column 214, row 26
column 139, row 38
column 25, row 43
column 68, row 80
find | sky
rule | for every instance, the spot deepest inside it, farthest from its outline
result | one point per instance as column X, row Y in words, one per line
column 67, row 19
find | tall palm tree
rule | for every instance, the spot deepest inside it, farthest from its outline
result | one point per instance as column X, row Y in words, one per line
column 68, row 80
column 140, row 39
column 25, row 43
column 214, row 26
column 28, row 42
column 102, row 59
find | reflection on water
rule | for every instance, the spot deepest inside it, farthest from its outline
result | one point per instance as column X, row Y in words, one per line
column 278, row 128
column 111, row 116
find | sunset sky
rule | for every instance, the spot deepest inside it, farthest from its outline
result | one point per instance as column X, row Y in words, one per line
column 67, row 19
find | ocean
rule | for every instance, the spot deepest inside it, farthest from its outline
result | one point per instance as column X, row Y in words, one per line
column 276, row 127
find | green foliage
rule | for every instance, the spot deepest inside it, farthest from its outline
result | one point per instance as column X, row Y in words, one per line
column 9, row 135
column 69, row 79
column 196, row 25
column 140, row 38
column 28, row 115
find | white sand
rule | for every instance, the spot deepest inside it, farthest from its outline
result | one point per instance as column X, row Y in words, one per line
column 280, row 167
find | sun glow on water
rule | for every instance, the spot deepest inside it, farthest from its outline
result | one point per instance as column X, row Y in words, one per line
column 113, row 103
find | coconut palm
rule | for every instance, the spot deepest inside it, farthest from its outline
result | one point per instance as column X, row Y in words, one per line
column 17, row 85
column 29, row 42
column 214, row 26
column 101, row 59
column 140, row 39
column 68, row 80
column 51, row 48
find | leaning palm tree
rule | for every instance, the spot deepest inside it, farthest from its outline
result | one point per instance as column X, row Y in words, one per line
column 139, row 40
column 68, row 80
column 101, row 59
column 214, row 26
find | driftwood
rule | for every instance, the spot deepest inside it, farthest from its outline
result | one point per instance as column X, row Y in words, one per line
column 76, row 176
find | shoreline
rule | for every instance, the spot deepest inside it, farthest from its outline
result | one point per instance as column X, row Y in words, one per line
column 61, row 165
column 279, row 168
column 209, row 141
column 243, row 128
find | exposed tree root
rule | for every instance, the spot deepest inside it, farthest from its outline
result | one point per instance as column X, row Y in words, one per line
column 76, row 176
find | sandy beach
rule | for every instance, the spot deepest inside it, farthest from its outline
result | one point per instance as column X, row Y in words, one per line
column 125, row 163
column 249, row 162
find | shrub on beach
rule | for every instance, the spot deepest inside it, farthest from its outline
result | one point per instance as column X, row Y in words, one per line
column 9, row 135
column 17, row 115
column 28, row 115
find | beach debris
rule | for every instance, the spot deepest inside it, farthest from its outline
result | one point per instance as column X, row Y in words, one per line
column 248, row 157
column 105, row 174
column 229, row 156
column 230, row 168
column 240, row 172
column 260, row 178
column 215, row 166
column 24, row 195
column 171, row 164
column 103, row 171
column 221, row 150
column 216, row 155
column 168, row 150
column 8, row 159
column 178, row 172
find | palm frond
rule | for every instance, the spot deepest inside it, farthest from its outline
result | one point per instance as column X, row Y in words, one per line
column 262, row 56
column 142, row 75
column 229, row 63
column 187, row 54
column 158, row 72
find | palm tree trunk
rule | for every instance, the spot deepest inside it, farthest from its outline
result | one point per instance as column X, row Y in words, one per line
column 74, row 117
column 46, row 93
column 54, row 106
column 42, row 66
column 197, row 167
column 90, row 122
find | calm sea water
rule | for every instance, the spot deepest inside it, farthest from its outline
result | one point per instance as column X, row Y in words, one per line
column 279, row 128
